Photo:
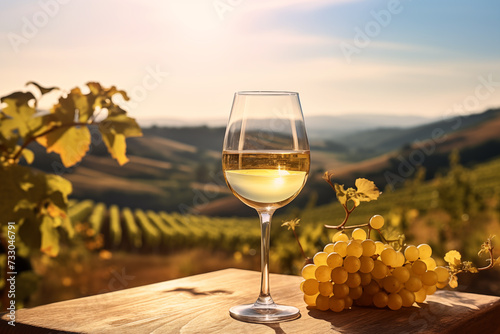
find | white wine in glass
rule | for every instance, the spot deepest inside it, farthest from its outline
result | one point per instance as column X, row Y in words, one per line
column 266, row 162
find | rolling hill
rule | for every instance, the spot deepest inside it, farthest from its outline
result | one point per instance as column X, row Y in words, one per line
column 179, row 169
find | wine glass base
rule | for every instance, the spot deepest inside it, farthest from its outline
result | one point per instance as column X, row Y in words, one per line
column 250, row 313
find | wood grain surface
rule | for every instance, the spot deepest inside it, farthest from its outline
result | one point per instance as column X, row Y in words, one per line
column 200, row 304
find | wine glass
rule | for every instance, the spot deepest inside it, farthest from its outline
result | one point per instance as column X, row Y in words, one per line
column 266, row 161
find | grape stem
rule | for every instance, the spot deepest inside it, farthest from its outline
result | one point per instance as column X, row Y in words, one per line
column 492, row 258
column 300, row 246
column 347, row 214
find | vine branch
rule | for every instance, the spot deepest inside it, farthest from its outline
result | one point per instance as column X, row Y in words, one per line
column 492, row 259
column 347, row 214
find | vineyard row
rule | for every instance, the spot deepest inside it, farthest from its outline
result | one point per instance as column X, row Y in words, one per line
column 123, row 228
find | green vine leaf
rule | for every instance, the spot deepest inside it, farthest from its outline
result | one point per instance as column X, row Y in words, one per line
column 28, row 155
column 20, row 115
column 29, row 231
column 114, row 129
column 486, row 246
column 71, row 143
column 42, row 90
column 117, row 146
column 341, row 193
column 21, row 98
column 453, row 258
column 469, row 267
column 83, row 103
column 29, row 197
column 366, row 190
column 38, row 202
column 453, row 283
column 50, row 236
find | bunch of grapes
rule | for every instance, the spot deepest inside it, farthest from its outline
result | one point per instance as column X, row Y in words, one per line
column 364, row 272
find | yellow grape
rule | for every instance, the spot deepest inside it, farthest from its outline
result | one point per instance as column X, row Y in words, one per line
column 340, row 247
column 340, row 290
column 328, row 248
column 388, row 246
column 407, row 297
column 430, row 262
column 322, row 303
column 359, row 234
column 366, row 264
column 441, row 285
column 377, row 222
column 356, row 292
column 348, row 302
column 320, row 258
column 369, row 247
column 412, row 253
column 310, row 300
column 351, row 264
column 380, row 270
column 323, row 273
column 336, row 304
column 400, row 259
column 354, row 249
column 339, row 275
column 420, row 295
column 429, row 278
column 442, row 273
column 325, row 288
column 418, row 267
column 380, row 299
column 311, row 287
column 429, row 289
column 425, row 251
column 413, row 284
column 391, row 284
column 302, row 285
column 308, row 271
column 366, row 278
column 389, row 257
column 402, row 274
column 340, row 236
column 353, row 280
column 364, row 300
column 394, row 301
column 379, row 247
column 334, row 260
column 372, row 288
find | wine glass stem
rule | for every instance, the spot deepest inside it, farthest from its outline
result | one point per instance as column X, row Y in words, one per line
column 265, row 299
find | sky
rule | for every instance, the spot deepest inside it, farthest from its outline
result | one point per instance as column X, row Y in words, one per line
column 184, row 59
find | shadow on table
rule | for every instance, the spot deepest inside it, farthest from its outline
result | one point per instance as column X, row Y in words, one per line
column 276, row 327
column 195, row 292
column 427, row 317
column 5, row 328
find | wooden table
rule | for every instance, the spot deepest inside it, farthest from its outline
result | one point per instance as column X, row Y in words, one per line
column 199, row 304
